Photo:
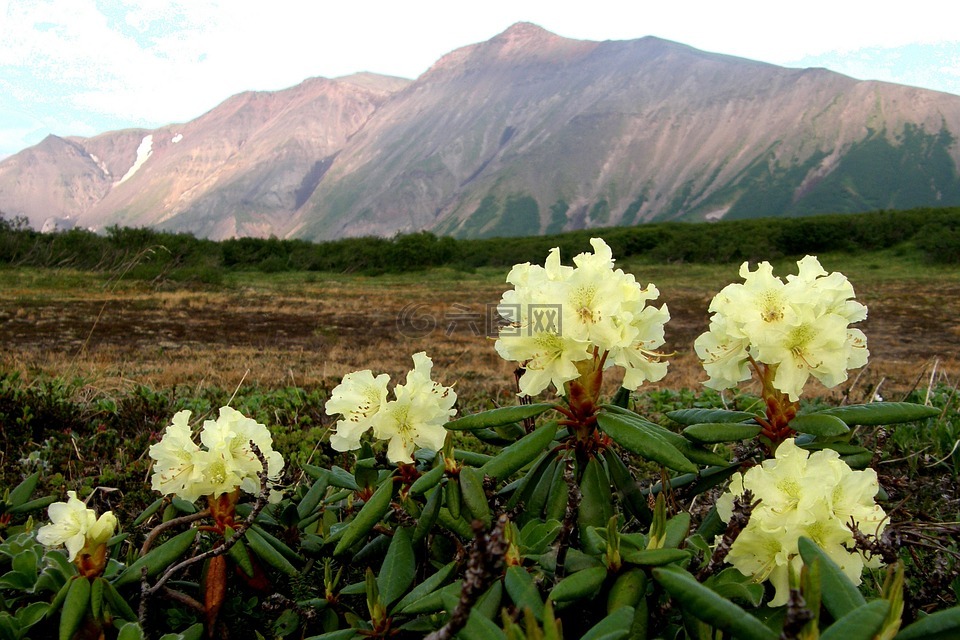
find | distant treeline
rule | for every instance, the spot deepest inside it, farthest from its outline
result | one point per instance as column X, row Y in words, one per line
column 930, row 234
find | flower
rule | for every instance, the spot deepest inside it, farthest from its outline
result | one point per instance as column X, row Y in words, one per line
column 802, row 495
column 75, row 526
column 798, row 329
column 226, row 464
column 414, row 418
column 559, row 316
column 358, row 398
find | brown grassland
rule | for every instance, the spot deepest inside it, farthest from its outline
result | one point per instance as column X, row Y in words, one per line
column 306, row 329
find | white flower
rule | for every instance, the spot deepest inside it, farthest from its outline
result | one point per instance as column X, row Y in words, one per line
column 415, row 418
column 802, row 495
column 75, row 526
column 798, row 329
column 560, row 316
column 358, row 398
column 226, row 463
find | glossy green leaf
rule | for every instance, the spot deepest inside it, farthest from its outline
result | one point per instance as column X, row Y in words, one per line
column 474, row 497
column 370, row 514
column 880, row 413
column 630, row 493
column 942, row 625
column 158, row 558
column 523, row 591
column 656, row 557
column 96, row 597
column 313, row 497
column 429, row 514
column 698, row 416
column 118, row 604
column 479, row 627
column 520, row 453
column 860, row 624
column 579, row 585
column 399, row 567
column 32, row 505
column 75, row 607
column 713, row 432
column 614, row 627
column 706, row 605
column 268, row 553
column 428, row 586
column 428, row 480
column 149, row 511
column 819, row 424
column 647, row 444
column 839, row 595
column 498, row 417
column 22, row 492
column 596, row 505
column 627, row 590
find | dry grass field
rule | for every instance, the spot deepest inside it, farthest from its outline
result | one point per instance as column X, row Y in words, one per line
column 310, row 329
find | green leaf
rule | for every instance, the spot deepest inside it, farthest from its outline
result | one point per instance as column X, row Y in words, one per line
column 523, row 591
column 706, row 605
column 520, row 453
column 942, row 625
column 268, row 553
column 428, row 586
column 579, row 585
column 370, row 514
column 22, row 492
column 117, row 604
column 644, row 443
column 479, row 627
column 149, row 511
column 498, row 417
column 399, row 567
column 880, row 413
column 474, row 497
column 130, row 631
column 819, row 424
column 613, row 627
column 712, row 432
column 312, row 499
column 428, row 515
column 32, row 505
column 158, row 558
column 656, row 557
column 428, row 480
column 839, row 595
column 596, row 506
column 860, row 624
column 75, row 607
column 96, row 597
column 31, row 614
column 697, row 416
column 628, row 589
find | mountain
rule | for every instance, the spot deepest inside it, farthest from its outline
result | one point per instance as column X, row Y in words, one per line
column 240, row 169
column 525, row 133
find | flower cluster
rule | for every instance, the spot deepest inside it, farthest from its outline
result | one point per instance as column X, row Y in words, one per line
column 224, row 464
column 560, row 316
column 414, row 418
column 802, row 495
column 798, row 329
column 75, row 526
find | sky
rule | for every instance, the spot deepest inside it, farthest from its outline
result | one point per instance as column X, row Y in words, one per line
column 82, row 67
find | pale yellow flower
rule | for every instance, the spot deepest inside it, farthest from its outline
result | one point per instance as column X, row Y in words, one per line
column 802, row 495
column 358, row 398
column 75, row 526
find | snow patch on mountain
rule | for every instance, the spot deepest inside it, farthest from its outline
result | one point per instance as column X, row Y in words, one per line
column 144, row 151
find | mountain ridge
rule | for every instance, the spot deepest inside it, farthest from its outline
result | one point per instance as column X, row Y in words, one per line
column 525, row 133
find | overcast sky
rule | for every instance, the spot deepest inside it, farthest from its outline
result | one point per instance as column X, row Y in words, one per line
column 81, row 67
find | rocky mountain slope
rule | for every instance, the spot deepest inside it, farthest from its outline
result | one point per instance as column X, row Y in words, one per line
column 522, row 134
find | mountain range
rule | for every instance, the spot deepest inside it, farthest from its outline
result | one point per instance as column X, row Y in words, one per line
column 525, row 133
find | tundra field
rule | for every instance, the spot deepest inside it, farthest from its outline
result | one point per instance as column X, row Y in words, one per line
column 309, row 329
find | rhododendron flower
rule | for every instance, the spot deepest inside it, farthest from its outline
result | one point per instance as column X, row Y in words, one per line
column 414, row 418
column 358, row 398
column 798, row 328
column 75, row 526
column 802, row 495
column 226, row 464
column 559, row 316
